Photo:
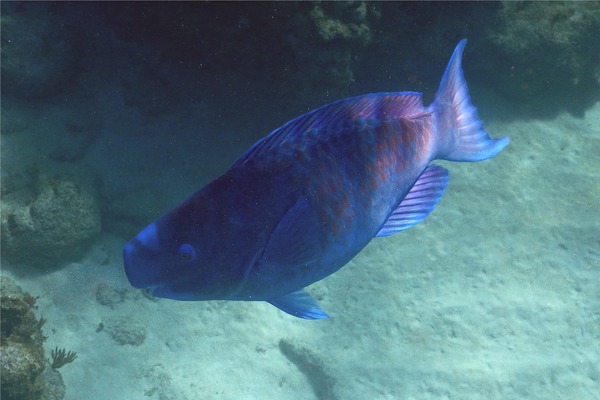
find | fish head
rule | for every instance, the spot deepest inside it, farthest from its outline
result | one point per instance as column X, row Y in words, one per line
column 175, row 263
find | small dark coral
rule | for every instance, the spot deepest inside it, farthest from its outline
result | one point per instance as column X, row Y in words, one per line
column 60, row 357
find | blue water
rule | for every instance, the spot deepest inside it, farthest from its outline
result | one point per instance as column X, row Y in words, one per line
column 494, row 296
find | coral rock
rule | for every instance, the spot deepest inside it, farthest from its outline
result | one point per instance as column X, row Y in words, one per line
column 52, row 221
column 23, row 370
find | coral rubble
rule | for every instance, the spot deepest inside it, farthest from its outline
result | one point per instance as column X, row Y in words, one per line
column 126, row 330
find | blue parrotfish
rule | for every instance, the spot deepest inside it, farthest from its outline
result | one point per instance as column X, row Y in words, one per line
column 307, row 198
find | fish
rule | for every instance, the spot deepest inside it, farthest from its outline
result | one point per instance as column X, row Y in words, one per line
column 307, row 198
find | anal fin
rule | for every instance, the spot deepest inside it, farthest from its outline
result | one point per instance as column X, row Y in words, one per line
column 299, row 304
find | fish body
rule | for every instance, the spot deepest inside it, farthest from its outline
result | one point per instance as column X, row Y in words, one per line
column 304, row 200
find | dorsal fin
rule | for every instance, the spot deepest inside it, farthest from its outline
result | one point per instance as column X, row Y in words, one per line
column 406, row 105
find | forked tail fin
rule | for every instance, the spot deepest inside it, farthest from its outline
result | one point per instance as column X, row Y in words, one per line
column 459, row 131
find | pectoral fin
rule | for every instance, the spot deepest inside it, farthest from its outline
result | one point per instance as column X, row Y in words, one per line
column 419, row 202
column 294, row 241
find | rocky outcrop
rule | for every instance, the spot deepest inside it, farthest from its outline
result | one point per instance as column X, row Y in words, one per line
column 52, row 218
column 24, row 372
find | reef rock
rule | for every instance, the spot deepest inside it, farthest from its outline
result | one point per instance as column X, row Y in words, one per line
column 326, row 40
column 539, row 47
column 24, row 372
column 51, row 220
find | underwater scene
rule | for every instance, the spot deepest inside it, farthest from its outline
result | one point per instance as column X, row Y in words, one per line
column 421, row 220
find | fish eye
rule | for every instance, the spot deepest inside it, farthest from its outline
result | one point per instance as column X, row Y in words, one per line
column 187, row 252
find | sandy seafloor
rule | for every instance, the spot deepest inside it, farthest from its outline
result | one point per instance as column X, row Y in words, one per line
column 494, row 296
